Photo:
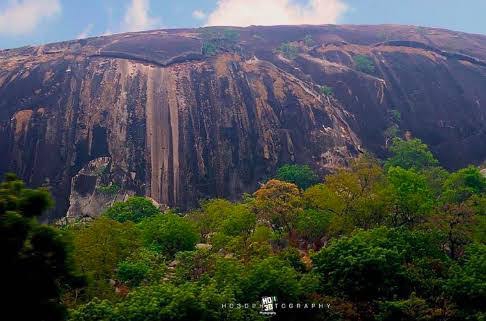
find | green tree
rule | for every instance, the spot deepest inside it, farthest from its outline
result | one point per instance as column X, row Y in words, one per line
column 300, row 175
column 313, row 225
column 309, row 41
column 464, row 184
column 364, row 64
column 326, row 90
column 135, row 209
column 410, row 154
column 356, row 194
column 98, row 248
column 410, row 196
column 413, row 308
column 169, row 233
column 271, row 275
column 279, row 204
column 288, row 50
column 381, row 265
column 467, row 285
column 36, row 262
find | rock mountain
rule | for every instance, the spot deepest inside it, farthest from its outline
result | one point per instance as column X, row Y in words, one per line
column 182, row 115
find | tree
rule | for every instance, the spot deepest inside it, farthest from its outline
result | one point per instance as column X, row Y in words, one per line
column 309, row 41
column 300, row 175
column 271, row 275
column 279, row 204
column 36, row 262
column 169, row 233
column 356, row 193
column 410, row 197
column 313, row 225
column 463, row 184
column 410, row 154
column 467, row 285
column 381, row 265
column 457, row 223
column 98, row 248
column 288, row 50
column 135, row 209
column 364, row 64
column 210, row 217
column 326, row 90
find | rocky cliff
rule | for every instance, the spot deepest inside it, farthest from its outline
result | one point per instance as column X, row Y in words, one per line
column 181, row 115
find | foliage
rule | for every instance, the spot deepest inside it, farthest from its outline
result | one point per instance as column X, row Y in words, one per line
column 132, row 272
column 168, row 234
column 111, row 189
column 356, row 195
column 326, row 90
column 300, row 175
column 404, row 241
column 99, row 247
column 381, row 265
column 278, row 204
column 364, row 64
column 411, row 197
column 309, row 41
column 36, row 261
column 313, row 225
column 463, row 184
column 215, row 39
column 135, row 209
column 467, row 285
column 410, row 154
column 288, row 50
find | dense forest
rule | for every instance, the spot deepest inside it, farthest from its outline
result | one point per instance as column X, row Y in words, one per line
column 402, row 239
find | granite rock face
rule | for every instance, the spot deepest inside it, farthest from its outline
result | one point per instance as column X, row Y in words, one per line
column 182, row 115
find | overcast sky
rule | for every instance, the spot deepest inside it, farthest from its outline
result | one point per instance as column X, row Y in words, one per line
column 26, row 22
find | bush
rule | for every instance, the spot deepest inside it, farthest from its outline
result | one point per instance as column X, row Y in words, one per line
column 135, row 209
column 169, row 234
column 410, row 154
column 36, row 259
column 364, row 64
column 215, row 39
column 288, row 50
column 300, row 175
column 326, row 90
column 381, row 264
column 111, row 189
column 131, row 272
column 309, row 41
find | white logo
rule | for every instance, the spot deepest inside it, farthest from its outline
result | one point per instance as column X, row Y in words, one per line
column 268, row 305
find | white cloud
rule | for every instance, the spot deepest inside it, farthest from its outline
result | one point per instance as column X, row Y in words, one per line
column 198, row 14
column 21, row 17
column 86, row 32
column 275, row 12
column 137, row 17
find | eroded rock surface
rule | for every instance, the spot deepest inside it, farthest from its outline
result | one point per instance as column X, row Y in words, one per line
column 178, row 126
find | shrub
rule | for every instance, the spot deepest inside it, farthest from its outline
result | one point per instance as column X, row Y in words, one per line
column 111, row 189
column 215, row 39
column 410, row 154
column 288, row 50
column 169, row 233
column 364, row 64
column 131, row 272
column 326, row 90
column 300, row 175
column 135, row 209
column 309, row 41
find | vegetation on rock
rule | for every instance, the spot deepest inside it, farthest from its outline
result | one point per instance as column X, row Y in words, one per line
column 392, row 242
column 364, row 64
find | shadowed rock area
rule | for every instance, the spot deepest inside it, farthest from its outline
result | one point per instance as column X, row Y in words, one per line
column 183, row 115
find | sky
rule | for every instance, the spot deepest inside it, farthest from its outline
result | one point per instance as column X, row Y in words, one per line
column 34, row 22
